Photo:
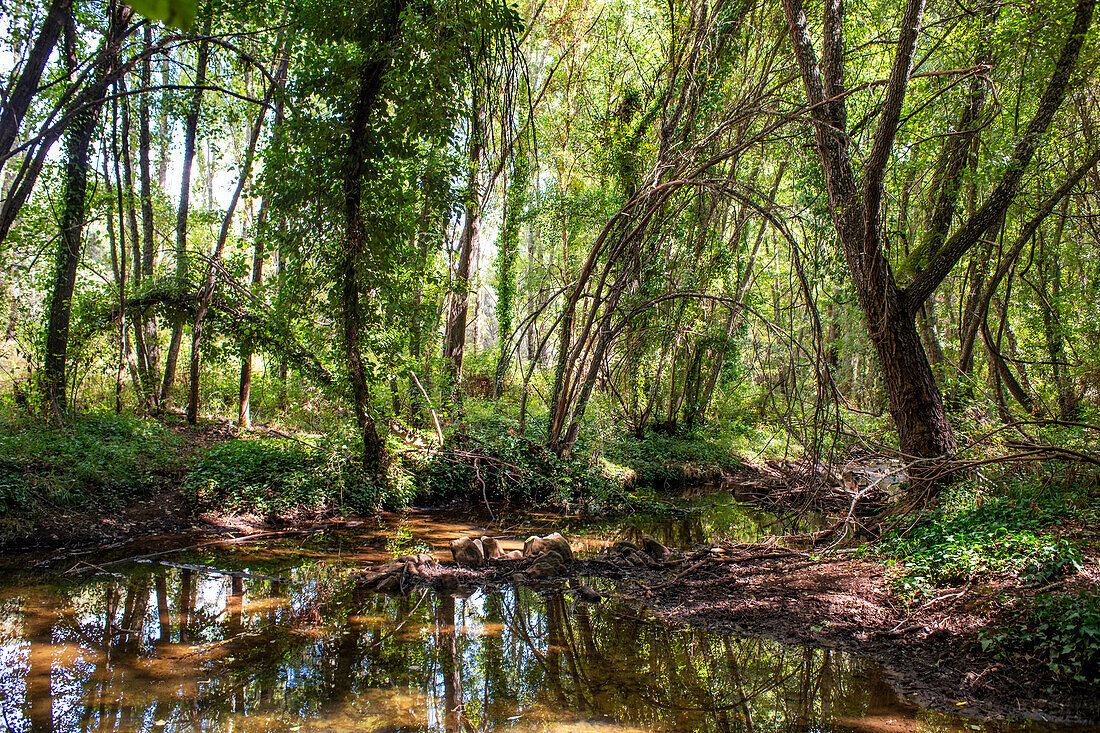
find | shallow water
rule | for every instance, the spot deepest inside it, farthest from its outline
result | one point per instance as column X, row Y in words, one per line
column 293, row 646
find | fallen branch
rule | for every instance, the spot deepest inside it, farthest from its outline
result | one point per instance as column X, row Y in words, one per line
column 228, row 573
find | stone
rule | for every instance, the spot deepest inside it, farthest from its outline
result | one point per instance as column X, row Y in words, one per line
column 622, row 547
column 390, row 585
column 586, row 594
column 513, row 555
column 554, row 542
column 493, row 550
column 468, row 552
column 655, row 549
column 370, row 581
column 628, row 554
column 547, row 565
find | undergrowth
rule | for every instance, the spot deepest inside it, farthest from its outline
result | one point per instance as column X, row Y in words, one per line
column 493, row 456
column 282, row 478
column 100, row 460
column 1016, row 529
column 1010, row 529
column 1061, row 632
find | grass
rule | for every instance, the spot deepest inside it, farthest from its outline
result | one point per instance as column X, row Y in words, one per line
column 1017, row 530
column 99, row 461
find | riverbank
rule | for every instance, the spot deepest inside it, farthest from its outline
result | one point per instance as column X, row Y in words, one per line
column 986, row 604
column 934, row 652
column 106, row 478
column 932, row 648
column 989, row 647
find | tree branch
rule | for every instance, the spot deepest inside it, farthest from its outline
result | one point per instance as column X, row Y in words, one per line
column 971, row 231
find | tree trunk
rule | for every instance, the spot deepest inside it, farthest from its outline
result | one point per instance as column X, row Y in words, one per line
column 244, row 402
column 506, row 279
column 916, row 405
column 17, row 104
column 164, row 130
column 145, row 326
column 914, row 397
column 190, row 132
column 471, row 227
column 215, row 260
column 1050, row 273
column 73, row 202
column 355, row 167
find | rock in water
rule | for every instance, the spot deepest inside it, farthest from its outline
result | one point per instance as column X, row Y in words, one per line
column 389, row 585
column 468, row 552
column 535, row 546
column 586, row 594
column 547, row 565
column 627, row 554
column 493, row 550
column 655, row 549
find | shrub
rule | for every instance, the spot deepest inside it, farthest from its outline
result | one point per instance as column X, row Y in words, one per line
column 284, row 477
column 1062, row 632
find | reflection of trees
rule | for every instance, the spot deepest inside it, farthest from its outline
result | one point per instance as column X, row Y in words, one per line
column 598, row 661
column 719, row 518
column 449, row 663
column 329, row 650
column 40, row 614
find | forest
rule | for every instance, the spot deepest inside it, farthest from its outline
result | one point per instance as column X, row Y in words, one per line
column 784, row 317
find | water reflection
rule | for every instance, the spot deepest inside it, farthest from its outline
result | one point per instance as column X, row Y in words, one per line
column 172, row 649
column 708, row 519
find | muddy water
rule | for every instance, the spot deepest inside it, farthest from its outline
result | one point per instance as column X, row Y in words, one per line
column 171, row 643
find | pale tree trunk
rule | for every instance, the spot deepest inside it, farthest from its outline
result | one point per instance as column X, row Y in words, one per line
column 244, row 402
column 455, row 343
column 207, row 293
column 190, row 132
column 145, row 326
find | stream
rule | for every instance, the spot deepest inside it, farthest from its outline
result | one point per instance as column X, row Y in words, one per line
column 285, row 642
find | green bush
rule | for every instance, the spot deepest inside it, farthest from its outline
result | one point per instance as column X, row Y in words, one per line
column 283, row 477
column 515, row 468
column 658, row 459
column 100, row 459
column 971, row 534
column 1062, row 632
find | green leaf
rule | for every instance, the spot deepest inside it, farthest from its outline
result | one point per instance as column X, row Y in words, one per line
column 177, row 13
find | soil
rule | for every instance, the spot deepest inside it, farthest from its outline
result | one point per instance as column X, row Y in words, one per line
column 931, row 653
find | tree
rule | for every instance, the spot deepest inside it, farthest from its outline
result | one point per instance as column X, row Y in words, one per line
column 73, row 203
column 856, row 201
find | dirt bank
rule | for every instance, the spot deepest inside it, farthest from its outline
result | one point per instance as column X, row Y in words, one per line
column 930, row 651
